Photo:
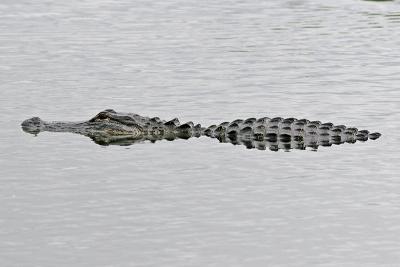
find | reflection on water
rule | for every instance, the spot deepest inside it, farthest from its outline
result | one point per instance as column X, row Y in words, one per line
column 272, row 141
column 378, row 0
column 67, row 202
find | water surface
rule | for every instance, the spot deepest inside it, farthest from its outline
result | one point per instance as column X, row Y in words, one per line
column 69, row 202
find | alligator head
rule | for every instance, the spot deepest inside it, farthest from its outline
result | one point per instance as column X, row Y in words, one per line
column 110, row 127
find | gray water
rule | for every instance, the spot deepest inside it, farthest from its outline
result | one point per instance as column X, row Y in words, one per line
column 66, row 201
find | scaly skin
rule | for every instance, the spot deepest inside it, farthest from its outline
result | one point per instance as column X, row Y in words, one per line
column 112, row 128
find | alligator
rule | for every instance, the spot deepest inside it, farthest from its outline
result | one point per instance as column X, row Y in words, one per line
column 114, row 128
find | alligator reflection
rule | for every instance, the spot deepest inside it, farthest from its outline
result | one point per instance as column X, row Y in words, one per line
column 260, row 144
column 286, row 145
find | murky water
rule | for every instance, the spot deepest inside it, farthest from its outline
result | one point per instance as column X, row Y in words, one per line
column 66, row 201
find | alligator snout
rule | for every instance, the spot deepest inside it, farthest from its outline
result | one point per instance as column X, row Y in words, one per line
column 33, row 125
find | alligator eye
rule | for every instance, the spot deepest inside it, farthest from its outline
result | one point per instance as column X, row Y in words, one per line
column 100, row 116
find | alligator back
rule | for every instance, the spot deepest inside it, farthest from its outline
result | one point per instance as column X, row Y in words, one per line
column 279, row 133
